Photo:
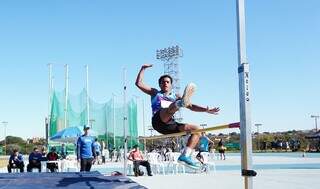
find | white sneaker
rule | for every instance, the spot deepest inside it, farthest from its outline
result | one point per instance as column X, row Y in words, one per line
column 188, row 92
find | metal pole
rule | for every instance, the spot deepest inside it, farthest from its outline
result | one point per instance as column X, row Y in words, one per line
column 50, row 90
column 66, row 94
column 315, row 121
column 143, row 119
column 244, row 98
column 5, row 138
column 87, row 94
column 125, row 120
column 114, row 121
column 143, row 125
column 49, row 103
column 5, row 123
column 46, row 124
column 136, row 97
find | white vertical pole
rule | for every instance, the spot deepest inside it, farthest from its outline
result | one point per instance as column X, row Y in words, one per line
column 5, row 123
column 125, row 118
column 143, row 118
column 143, row 124
column 47, row 123
column 50, row 90
column 244, row 98
column 66, row 94
column 87, row 94
column 114, row 121
column 52, row 82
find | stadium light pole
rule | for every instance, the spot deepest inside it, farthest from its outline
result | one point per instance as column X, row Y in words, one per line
column 316, row 117
column 5, row 123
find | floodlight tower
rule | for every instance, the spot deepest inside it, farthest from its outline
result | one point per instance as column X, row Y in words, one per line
column 170, row 56
column 315, row 120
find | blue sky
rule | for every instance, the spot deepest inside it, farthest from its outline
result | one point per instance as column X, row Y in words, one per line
column 283, row 46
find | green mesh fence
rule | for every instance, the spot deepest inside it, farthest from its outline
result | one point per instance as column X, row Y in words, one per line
column 106, row 119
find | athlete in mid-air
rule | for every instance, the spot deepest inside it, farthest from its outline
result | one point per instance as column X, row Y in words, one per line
column 165, row 104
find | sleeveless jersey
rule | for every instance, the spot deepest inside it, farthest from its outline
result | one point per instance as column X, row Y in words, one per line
column 160, row 100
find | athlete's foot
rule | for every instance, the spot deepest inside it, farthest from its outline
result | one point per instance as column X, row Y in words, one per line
column 188, row 161
column 188, row 92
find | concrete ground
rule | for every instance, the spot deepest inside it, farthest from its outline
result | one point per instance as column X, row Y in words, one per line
column 266, row 179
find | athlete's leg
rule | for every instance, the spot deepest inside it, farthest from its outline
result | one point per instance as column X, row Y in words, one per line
column 191, row 144
column 167, row 113
column 194, row 138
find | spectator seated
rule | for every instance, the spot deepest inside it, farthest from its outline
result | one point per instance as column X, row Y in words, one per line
column 35, row 158
column 52, row 156
column 15, row 161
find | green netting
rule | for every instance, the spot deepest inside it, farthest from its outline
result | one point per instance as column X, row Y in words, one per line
column 106, row 119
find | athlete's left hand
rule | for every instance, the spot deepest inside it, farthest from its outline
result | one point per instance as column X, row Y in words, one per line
column 214, row 110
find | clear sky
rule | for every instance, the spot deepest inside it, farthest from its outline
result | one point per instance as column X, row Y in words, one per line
column 283, row 49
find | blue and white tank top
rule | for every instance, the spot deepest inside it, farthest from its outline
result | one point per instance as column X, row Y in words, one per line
column 161, row 100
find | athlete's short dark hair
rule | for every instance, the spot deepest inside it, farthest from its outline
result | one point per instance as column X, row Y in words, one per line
column 164, row 76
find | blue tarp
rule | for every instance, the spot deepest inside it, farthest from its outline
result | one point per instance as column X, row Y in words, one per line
column 70, row 180
column 69, row 134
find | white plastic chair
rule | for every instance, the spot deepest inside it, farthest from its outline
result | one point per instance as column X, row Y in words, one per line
column 69, row 165
column 173, row 162
column 129, row 165
column 15, row 170
column 154, row 159
column 207, row 159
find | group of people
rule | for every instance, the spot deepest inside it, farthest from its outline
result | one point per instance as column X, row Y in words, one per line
column 16, row 160
column 88, row 151
column 164, row 103
column 136, row 156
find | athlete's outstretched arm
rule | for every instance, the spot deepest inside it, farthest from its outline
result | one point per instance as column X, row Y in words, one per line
column 139, row 81
column 197, row 108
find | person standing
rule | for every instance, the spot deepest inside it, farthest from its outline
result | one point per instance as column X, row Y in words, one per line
column 85, row 150
column 203, row 146
column 97, row 148
column 222, row 150
column 63, row 151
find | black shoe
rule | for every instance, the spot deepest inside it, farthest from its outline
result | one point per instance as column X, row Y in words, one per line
column 141, row 173
column 150, row 174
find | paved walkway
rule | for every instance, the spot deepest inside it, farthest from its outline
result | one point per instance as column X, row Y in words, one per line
column 266, row 179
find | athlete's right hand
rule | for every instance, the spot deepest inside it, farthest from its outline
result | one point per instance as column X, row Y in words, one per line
column 144, row 66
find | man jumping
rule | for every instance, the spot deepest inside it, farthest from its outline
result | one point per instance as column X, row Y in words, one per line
column 165, row 104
